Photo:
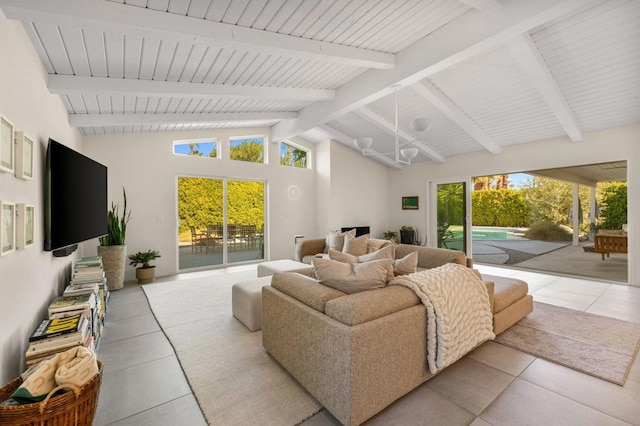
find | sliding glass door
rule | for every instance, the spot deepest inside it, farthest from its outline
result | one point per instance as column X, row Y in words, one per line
column 451, row 222
column 221, row 222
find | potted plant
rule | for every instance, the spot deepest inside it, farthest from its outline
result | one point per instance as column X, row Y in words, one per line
column 407, row 235
column 391, row 236
column 146, row 273
column 112, row 246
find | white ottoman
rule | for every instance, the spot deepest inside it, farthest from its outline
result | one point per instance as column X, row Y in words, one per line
column 266, row 269
column 246, row 302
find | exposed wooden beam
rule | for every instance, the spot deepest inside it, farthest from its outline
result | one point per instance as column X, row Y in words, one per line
column 111, row 16
column 462, row 39
column 433, row 95
column 348, row 140
column 535, row 66
column 62, row 84
column 90, row 120
column 389, row 127
column 481, row 5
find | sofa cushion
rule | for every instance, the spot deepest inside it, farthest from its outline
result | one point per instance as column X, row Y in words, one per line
column 305, row 289
column 369, row 305
column 406, row 265
column 335, row 239
column 356, row 246
column 431, row 257
column 352, row 277
column 506, row 291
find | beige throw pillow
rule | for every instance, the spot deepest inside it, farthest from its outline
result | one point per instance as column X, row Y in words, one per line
column 356, row 246
column 335, row 239
column 375, row 244
column 352, row 277
column 388, row 252
column 406, row 265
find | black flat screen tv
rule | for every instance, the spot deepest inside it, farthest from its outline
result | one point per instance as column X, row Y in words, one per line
column 75, row 199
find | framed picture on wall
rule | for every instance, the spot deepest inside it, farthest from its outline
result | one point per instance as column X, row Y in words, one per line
column 410, row 203
column 26, row 221
column 24, row 156
column 6, row 145
column 7, row 228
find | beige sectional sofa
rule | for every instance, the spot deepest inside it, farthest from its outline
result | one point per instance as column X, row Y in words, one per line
column 358, row 353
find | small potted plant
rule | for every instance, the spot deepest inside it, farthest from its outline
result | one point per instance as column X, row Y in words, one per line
column 146, row 273
column 391, row 236
column 407, row 235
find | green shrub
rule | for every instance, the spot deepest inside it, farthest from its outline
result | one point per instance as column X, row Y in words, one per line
column 501, row 207
column 613, row 207
column 548, row 231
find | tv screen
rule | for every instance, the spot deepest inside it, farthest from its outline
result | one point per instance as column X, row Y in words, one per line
column 75, row 198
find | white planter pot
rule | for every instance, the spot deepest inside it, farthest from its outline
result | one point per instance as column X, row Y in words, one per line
column 114, row 259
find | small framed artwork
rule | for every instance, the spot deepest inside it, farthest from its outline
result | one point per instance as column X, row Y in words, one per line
column 6, row 145
column 24, row 156
column 26, row 220
column 7, row 228
column 410, row 203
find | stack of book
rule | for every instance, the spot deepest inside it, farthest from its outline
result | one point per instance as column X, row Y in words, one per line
column 56, row 335
column 85, row 297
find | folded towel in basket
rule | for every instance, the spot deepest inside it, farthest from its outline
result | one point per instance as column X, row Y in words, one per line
column 75, row 366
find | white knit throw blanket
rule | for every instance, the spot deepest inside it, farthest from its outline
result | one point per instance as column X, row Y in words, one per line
column 458, row 311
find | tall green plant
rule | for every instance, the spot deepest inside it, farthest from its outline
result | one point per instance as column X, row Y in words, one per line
column 116, row 224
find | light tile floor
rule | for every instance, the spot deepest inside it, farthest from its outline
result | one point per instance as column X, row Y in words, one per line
column 143, row 383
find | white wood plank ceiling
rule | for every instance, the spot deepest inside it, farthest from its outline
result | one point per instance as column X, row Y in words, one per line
column 487, row 74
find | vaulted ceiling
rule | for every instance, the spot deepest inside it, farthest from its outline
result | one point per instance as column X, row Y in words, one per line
column 486, row 73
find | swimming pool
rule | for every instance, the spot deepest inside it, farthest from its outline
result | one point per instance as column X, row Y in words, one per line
column 490, row 233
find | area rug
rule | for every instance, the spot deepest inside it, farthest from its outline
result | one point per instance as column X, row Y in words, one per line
column 599, row 346
column 232, row 377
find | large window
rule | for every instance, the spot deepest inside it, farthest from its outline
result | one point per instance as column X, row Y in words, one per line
column 197, row 148
column 247, row 149
column 292, row 155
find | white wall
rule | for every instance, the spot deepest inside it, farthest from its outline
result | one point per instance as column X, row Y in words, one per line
column 610, row 145
column 29, row 278
column 145, row 165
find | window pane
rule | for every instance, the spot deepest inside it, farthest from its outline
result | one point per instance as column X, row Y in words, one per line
column 197, row 149
column 251, row 150
column 292, row 156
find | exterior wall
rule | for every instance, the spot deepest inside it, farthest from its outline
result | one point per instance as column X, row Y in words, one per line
column 145, row 165
column 29, row 278
column 598, row 147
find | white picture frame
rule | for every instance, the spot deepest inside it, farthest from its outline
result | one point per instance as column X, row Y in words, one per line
column 24, row 156
column 6, row 145
column 26, row 222
column 7, row 228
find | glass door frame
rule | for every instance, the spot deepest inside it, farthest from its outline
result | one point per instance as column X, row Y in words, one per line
column 432, row 211
column 225, row 249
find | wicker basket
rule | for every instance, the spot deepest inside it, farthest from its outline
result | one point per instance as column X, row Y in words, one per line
column 70, row 408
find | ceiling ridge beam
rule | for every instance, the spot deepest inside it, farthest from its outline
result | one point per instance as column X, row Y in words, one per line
column 348, row 141
column 466, row 37
column 128, row 119
column 111, row 16
column 390, row 128
column 536, row 68
column 481, row 5
column 434, row 96
column 62, row 84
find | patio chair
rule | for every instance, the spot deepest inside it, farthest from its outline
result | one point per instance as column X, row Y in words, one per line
column 198, row 239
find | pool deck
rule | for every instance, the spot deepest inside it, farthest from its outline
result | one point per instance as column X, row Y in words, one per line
column 552, row 257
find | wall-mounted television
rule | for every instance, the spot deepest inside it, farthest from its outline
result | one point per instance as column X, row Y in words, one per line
column 75, row 199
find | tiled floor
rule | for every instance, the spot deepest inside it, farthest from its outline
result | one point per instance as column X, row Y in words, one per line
column 494, row 385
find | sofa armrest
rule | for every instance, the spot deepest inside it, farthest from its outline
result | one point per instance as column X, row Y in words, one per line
column 309, row 247
column 305, row 289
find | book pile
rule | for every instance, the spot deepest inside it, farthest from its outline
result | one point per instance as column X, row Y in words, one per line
column 56, row 335
column 76, row 317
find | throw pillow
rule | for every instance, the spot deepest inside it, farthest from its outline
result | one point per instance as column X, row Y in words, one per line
column 356, row 246
column 335, row 239
column 385, row 253
column 406, row 265
column 352, row 277
column 375, row 244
